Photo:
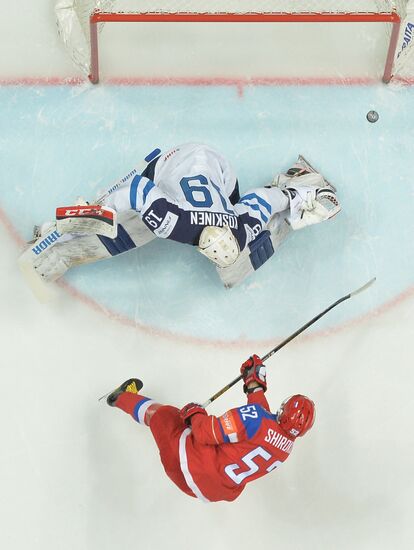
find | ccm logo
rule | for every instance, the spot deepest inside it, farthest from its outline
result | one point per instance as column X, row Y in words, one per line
column 77, row 211
column 83, row 212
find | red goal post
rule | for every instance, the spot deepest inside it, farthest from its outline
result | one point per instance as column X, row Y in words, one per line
column 237, row 11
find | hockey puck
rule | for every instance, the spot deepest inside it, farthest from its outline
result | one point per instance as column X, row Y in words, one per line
column 372, row 116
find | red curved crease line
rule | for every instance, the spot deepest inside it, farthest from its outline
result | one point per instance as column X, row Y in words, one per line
column 126, row 321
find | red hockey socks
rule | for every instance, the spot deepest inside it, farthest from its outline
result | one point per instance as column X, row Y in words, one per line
column 127, row 401
column 141, row 408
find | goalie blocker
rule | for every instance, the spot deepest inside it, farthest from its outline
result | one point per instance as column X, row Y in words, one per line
column 95, row 219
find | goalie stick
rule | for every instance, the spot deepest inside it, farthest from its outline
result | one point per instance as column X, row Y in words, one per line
column 291, row 337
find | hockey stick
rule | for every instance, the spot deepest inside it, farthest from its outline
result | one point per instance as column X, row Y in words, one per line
column 291, row 337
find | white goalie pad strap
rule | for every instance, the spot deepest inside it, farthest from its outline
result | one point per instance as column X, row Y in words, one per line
column 92, row 219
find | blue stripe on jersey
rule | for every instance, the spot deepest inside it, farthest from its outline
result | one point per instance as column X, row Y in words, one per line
column 133, row 191
column 223, row 200
column 147, row 189
column 138, row 406
column 262, row 204
column 225, row 437
column 255, row 207
column 260, row 200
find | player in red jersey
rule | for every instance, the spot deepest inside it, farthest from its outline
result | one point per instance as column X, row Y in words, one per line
column 212, row 458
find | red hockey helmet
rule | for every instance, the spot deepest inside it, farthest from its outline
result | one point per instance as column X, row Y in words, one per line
column 296, row 415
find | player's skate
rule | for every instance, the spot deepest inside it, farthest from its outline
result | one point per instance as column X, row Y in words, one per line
column 133, row 385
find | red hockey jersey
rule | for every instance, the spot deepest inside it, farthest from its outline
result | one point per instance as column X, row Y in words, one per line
column 219, row 455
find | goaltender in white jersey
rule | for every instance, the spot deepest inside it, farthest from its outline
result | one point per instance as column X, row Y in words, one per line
column 189, row 194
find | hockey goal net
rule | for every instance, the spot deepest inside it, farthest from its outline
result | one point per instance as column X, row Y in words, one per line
column 79, row 22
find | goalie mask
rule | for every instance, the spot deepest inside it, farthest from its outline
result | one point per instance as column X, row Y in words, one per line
column 296, row 415
column 219, row 245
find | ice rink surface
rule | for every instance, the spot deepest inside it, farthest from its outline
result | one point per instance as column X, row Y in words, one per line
column 79, row 475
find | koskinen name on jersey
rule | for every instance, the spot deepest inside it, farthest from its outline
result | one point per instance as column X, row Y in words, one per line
column 214, row 219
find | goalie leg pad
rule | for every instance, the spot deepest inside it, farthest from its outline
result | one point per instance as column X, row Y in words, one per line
column 53, row 254
column 67, row 254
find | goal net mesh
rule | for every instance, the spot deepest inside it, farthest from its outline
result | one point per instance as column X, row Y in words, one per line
column 73, row 16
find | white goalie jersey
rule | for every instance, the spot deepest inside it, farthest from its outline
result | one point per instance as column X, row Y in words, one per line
column 190, row 187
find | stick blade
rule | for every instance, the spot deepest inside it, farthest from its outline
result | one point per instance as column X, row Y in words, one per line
column 364, row 287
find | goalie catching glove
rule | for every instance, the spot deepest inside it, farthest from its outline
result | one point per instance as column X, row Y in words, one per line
column 253, row 370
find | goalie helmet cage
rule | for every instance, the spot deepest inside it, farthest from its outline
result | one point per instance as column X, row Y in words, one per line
column 93, row 13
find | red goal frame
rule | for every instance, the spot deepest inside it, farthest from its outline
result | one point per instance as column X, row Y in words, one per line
column 277, row 17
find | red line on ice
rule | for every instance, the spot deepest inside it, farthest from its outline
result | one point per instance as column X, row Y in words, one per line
column 132, row 323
